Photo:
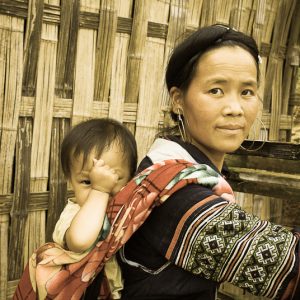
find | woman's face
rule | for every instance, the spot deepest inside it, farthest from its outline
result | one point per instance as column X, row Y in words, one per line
column 221, row 102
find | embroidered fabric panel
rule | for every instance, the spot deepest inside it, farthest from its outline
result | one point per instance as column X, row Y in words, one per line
column 225, row 243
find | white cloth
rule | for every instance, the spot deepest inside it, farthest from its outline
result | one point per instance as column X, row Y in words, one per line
column 64, row 222
column 163, row 149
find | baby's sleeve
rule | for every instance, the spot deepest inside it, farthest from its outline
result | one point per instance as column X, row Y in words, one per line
column 64, row 222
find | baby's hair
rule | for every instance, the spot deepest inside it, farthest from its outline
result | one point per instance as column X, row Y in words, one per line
column 97, row 135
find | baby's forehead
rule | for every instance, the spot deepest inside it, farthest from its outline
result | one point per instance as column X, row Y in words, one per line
column 113, row 151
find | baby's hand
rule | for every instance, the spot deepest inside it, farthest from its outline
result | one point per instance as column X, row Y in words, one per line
column 102, row 177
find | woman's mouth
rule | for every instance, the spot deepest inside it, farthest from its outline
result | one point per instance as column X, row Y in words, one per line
column 231, row 128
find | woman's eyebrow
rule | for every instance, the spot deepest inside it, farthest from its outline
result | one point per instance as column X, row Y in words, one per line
column 217, row 80
column 250, row 82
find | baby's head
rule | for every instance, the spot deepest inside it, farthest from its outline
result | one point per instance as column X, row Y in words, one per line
column 97, row 138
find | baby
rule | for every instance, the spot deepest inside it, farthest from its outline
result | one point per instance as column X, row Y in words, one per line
column 98, row 158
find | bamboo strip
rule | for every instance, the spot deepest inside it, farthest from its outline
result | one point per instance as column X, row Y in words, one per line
column 159, row 12
column 150, row 91
column 11, row 287
column 208, row 13
column 118, row 78
column 52, row 12
column 223, row 12
column 14, row 8
column 91, row 6
column 35, row 225
column 259, row 16
column 67, row 45
column 194, row 13
column 57, row 181
column 176, row 30
column 260, row 7
column 124, row 8
column 19, row 209
column 280, row 25
column 11, row 50
column 84, row 71
column 36, row 202
column 151, row 85
column 240, row 15
column 124, row 25
column 34, row 233
column 4, row 227
column 271, row 11
column 43, row 109
column 136, row 47
column 105, row 49
column 20, row 200
column 273, row 83
column 267, row 31
column 284, row 135
column 32, row 45
column 292, row 61
column 136, row 52
column 295, row 97
column 276, row 103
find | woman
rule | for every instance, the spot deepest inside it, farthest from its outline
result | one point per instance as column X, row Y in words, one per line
column 196, row 239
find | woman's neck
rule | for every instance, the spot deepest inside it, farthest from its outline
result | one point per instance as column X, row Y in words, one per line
column 216, row 157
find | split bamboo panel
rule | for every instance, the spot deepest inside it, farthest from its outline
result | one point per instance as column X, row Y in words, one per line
column 64, row 61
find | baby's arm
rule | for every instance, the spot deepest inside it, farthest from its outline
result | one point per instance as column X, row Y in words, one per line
column 88, row 222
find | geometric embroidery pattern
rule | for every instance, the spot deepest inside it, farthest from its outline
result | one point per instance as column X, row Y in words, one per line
column 237, row 247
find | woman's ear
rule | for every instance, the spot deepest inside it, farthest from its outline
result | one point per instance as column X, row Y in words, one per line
column 176, row 96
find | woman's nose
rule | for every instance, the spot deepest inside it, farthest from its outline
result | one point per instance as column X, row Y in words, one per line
column 232, row 105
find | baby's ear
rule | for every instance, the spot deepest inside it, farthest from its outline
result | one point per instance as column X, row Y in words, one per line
column 176, row 96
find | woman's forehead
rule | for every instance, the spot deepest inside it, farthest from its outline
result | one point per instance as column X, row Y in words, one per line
column 227, row 60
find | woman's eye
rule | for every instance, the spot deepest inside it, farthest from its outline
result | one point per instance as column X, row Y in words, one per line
column 216, row 91
column 248, row 93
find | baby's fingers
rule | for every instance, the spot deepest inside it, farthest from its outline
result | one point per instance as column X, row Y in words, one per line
column 115, row 176
column 97, row 162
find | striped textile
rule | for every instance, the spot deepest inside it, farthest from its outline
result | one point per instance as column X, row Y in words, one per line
column 222, row 242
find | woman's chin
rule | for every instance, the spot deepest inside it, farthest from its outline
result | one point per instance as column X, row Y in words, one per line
column 231, row 148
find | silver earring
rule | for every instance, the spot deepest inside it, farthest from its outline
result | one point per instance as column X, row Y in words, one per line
column 181, row 127
column 264, row 136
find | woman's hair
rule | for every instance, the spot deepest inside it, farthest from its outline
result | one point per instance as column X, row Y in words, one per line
column 98, row 135
column 183, row 62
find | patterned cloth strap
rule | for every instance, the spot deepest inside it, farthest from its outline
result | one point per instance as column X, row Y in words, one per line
column 54, row 273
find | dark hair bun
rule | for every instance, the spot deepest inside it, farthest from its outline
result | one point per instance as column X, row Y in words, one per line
column 185, row 55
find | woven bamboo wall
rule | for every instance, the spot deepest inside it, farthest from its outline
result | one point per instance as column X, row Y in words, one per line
column 65, row 61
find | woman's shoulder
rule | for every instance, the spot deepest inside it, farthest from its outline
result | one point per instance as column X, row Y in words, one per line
column 144, row 164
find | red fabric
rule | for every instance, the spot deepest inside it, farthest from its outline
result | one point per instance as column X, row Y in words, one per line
column 54, row 268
